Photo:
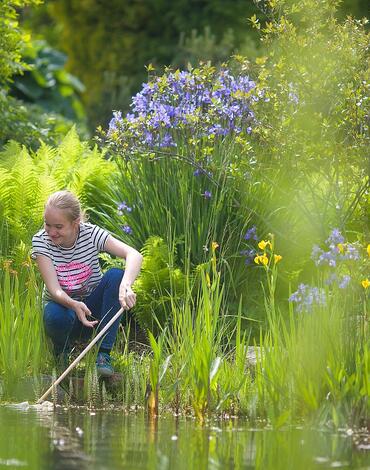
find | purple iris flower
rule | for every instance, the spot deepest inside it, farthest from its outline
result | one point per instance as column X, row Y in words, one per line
column 344, row 282
column 218, row 105
column 251, row 234
column 306, row 297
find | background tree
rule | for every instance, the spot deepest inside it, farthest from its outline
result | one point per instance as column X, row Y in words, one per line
column 24, row 121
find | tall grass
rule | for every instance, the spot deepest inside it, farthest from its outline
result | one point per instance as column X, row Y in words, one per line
column 312, row 366
column 22, row 342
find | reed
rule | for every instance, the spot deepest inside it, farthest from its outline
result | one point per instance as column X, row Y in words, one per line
column 22, row 343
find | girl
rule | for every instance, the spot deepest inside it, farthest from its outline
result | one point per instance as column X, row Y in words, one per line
column 76, row 295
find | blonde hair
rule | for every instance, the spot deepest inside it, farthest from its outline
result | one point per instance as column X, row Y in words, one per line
column 68, row 202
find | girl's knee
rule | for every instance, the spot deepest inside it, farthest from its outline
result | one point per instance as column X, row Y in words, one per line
column 114, row 275
column 58, row 317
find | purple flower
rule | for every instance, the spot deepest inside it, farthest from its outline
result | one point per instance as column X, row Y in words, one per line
column 331, row 279
column 122, row 206
column 207, row 194
column 335, row 237
column 306, row 297
column 215, row 102
column 344, row 282
column 249, row 256
column 115, row 121
column 251, row 234
column 334, row 255
column 127, row 229
column 351, row 253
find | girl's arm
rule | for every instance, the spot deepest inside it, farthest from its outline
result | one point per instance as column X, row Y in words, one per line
column 134, row 260
column 50, row 278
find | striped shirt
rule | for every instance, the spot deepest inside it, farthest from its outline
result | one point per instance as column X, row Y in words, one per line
column 78, row 270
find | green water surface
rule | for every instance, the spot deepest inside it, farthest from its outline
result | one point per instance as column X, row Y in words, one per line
column 84, row 439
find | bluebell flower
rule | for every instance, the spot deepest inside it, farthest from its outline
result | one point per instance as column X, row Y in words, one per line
column 207, row 194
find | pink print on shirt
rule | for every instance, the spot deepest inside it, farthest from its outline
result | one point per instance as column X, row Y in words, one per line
column 72, row 282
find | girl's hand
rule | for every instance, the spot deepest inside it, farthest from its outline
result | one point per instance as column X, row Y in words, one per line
column 127, row 296
column 82, row 313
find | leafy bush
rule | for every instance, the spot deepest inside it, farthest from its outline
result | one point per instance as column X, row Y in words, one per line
column 12, row 39
column 312, row 137
column 45, row 81
column 26, row 123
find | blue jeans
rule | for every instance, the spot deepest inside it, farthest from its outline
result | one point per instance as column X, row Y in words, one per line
column 63, row 326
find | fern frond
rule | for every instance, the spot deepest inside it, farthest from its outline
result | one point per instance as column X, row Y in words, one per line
column 9, row 154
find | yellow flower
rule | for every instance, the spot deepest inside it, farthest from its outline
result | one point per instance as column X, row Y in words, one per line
column 262, row 244
column 264, row 260
column 365, row 283
column 214, row 245
column 368, row 249
column 340, row 247
column 277, row 258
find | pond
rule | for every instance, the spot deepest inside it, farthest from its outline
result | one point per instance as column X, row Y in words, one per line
column 81, row 438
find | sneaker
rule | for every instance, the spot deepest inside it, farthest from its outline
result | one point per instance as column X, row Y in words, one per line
column 103, row 365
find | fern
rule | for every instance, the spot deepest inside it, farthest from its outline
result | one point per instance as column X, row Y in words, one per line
column 158, row 284
column 28, row 178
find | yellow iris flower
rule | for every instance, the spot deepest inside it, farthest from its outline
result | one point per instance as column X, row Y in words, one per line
column 277, row 258
column 263, row 259
column 262, row 244
column 365, row 283
column 214, row 246
column 368, row 250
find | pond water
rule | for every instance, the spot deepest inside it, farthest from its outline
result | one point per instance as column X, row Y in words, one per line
column 84, row 439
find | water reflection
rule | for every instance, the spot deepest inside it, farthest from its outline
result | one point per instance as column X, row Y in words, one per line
column 68, row 439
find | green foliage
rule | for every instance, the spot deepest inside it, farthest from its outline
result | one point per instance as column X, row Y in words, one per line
column 26, row 123
column 46, row 83
column 29, row 177
column 160, row 283
column 12, row 39
column 312, row 143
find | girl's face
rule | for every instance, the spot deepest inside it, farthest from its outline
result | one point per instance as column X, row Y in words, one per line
column 59, row 227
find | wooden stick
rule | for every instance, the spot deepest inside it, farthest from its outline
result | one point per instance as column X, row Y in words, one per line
column 84, row 352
